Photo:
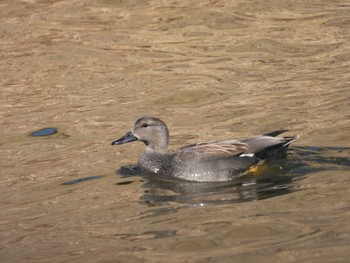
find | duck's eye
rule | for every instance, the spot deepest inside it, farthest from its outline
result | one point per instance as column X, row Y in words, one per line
column 145, row 125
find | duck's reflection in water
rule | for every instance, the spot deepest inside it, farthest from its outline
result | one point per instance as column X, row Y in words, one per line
column 273, row 181
column 160, row 190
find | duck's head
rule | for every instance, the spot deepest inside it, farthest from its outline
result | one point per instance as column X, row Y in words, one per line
column 152, row 131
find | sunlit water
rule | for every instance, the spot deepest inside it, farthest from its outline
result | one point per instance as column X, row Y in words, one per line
column 76, row 75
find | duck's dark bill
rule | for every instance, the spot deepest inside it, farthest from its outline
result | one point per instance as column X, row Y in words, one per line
column 129, row 137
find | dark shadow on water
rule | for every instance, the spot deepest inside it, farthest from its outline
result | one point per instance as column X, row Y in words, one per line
column 79, row 180
column 279, row 177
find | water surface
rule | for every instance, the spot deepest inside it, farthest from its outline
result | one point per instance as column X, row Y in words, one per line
column 210, row 70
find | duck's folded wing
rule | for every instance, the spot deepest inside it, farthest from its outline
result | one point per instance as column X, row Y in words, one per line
column 211, row 150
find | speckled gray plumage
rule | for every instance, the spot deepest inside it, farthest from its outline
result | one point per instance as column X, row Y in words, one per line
column 208, row 161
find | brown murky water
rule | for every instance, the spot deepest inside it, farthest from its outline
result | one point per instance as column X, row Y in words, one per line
column 210, row 70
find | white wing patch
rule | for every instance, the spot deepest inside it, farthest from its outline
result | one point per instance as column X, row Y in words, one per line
column 247, row 155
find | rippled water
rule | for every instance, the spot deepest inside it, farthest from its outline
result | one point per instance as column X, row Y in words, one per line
column 210, row 70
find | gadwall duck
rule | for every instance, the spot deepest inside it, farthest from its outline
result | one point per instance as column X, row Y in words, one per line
column 203, row 162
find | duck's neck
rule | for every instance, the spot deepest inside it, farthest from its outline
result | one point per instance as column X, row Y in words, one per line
column 159, row 146
column 159, row 142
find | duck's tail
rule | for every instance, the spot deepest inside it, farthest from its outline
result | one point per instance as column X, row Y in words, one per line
column 277, row 150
